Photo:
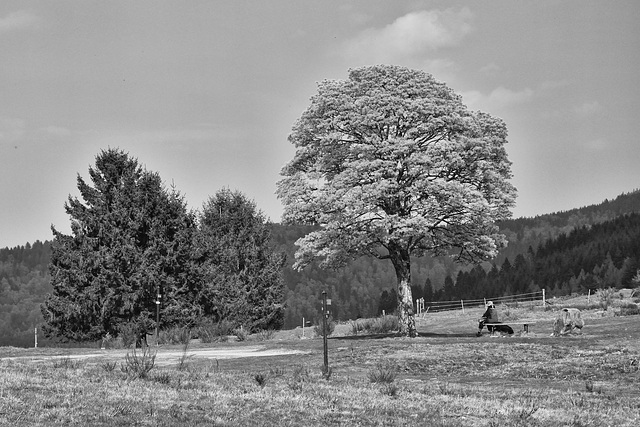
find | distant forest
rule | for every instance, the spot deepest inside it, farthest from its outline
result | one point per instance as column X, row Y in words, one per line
column 568, row 252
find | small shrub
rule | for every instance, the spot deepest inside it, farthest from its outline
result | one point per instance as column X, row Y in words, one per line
column 382, row 374
column 629, row 309
column 139, row 365
column 174, row 335
column 108, row 366
column 184, row 359
column 241, row 334
column 605, row 297
column 209, row 331
column 378, row 325
column 127, row 334
column 300, row 373
column 390, row 390
column 265, row 335
column 162, row 378
column 331, row 326
column 261, row 379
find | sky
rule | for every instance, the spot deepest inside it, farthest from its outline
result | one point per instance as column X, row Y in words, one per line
column 205, row 92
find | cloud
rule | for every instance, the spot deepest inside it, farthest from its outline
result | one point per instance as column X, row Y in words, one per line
column 490, row 69
column 17, row 21
column 588, row 108
column 410, row 35
column 500, row 97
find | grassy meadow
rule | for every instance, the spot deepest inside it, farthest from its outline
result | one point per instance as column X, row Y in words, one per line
column 445, row 377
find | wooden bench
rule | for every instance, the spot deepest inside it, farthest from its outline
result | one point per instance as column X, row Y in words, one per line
column 524, row 323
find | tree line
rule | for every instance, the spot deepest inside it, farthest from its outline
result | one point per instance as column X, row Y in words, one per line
column 594, row 254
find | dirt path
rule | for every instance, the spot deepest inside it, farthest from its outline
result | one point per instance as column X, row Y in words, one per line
column 165, row 356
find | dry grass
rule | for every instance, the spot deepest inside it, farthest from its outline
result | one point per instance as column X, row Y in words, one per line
column 445, row 377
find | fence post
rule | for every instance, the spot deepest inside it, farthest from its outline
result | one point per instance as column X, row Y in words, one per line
column 462, row 304
column 35, row 337
column 544, row 299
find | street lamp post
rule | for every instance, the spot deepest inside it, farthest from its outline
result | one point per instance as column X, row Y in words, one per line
column 158, row 315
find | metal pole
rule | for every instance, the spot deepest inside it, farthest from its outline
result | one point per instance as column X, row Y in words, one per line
column 324, row 330
column 158, row 316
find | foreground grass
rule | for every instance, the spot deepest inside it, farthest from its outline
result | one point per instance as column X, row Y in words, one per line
column 589, row 380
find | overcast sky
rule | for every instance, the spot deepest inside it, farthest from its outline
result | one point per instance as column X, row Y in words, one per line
column 206, row 92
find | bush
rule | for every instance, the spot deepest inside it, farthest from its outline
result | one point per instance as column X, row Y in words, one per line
column 128, row 333
column 606, row 297
column 214, row 331
column 139, row 365
column 629, row 309
column 331, row 326
column 265, row 334
column 378, row 325
column 174, row 335
column 382, row 374
column 241, row 334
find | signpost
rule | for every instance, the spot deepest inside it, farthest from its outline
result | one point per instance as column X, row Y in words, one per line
column 325, row 315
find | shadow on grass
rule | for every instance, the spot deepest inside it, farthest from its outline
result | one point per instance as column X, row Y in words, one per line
column 398, row 335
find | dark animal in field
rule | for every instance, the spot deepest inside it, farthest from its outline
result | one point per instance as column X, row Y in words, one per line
column 505, row 329
column 568, row 320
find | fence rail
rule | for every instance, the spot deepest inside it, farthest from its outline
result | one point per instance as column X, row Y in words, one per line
column 531, row 298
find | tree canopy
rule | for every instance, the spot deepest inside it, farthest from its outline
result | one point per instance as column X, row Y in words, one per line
column 390, row 163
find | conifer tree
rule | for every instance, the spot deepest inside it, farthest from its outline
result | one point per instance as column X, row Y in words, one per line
column 130, row 238
column 243, row 280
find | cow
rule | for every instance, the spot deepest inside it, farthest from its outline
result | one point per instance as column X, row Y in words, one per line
column 568, row 320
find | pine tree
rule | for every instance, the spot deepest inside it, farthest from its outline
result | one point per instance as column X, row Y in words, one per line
column 242, row 273
column 130, row 238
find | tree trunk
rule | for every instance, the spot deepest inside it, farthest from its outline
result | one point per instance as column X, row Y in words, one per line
column 402, row 264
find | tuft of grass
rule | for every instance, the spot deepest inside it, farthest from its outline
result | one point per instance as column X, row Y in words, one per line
column 67, row 363
column 382, row 374
column 108, row 366
column 260, row 379
column 138, row 366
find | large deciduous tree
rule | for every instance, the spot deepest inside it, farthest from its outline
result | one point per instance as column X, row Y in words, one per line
column 243, row 280
column 390, row 163
column 130, row 238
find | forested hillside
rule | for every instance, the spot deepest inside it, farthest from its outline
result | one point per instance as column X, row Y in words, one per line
column 592, row 247
column 24, row 283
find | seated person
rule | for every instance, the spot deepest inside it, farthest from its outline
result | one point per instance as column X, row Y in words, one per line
column 489, row 316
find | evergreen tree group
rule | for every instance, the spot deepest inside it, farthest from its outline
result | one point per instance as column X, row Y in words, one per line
column 135, row 248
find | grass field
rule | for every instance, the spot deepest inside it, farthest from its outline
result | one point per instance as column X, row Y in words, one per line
column 445, row 377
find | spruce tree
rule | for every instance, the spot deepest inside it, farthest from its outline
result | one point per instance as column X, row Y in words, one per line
column 130, row 238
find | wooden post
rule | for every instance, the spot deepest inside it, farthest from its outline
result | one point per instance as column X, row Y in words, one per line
column 303, row 327
column 462, row 304
column 35, row 337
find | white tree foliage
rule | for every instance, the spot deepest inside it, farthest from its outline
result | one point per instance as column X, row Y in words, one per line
column 390, row 163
